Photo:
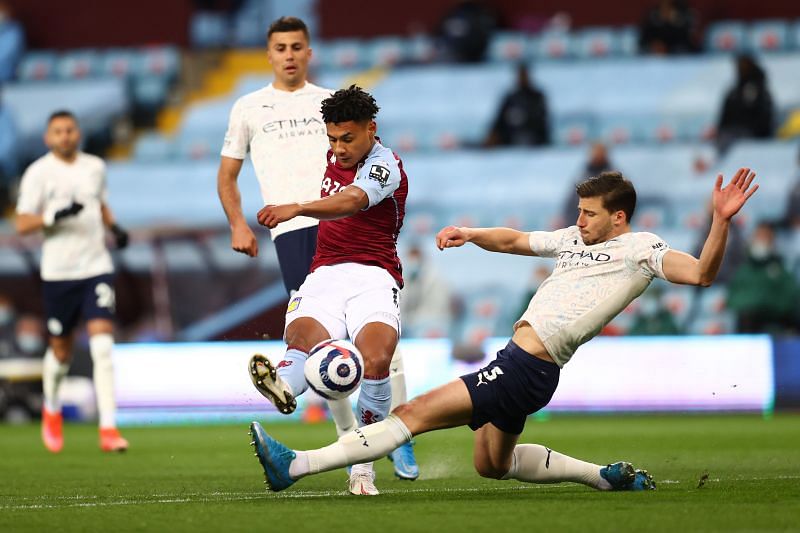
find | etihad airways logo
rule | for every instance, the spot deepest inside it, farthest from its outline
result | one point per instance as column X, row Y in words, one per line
column 599, row 257
column 291, row 124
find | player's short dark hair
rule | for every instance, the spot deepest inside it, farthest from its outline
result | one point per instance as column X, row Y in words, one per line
column 353, row 103
column 61, row 113
column 287, row 24
column 616, row 192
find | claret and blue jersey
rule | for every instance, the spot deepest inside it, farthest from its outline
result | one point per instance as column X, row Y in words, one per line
column 370, row 236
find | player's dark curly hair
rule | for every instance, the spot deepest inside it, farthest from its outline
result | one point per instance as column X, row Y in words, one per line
column 353, row 103
column 616, row 192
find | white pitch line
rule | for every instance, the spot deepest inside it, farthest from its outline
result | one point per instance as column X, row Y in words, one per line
column 30, row 503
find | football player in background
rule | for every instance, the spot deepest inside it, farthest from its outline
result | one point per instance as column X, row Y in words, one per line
column 601, row 266
column 281, row 126
column 63, row 194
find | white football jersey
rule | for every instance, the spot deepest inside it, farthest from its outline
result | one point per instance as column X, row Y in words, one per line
column 287, row 140
column 589, row 286
column 74, row 247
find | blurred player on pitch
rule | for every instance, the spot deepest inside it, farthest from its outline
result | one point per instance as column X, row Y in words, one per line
column 282, row 128
column 64, row 194
column 601, row 266
column 354, row 286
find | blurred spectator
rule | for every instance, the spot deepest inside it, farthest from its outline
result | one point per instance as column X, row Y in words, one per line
column 522, row 119
column 539, row 274
column 762, row 293
column 8, row 154
column 791, row 217
column 29, row 340
column 735, row 250
column 668, row 28
column 653, row 317
column 465, row 31
column 747, row 111
column 425, row 302
column 12, row 43
column 597, row 163
column 7, row 315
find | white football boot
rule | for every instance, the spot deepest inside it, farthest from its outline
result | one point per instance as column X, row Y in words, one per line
column 362, row 480
column 266, row 379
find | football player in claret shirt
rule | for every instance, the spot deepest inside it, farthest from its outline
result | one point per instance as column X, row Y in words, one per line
column 281, row 128
column 601, row 266
column 354, row 285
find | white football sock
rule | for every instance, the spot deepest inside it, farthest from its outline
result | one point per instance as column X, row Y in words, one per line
column 363, row 445
column 53, row 372
column 343, row 416
column 398, row 379
column 100, row 347
column 534, row 463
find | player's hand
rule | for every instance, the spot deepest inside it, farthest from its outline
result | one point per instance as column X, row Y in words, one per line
column 70, row 211
column 729, row 200
column 451, row 237
column 243, row 240
column 120, row 236
column 272, row 215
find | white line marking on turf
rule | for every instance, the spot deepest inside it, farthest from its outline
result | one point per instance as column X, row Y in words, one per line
column 79, row 501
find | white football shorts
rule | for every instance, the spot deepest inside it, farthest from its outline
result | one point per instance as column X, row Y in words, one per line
column 346, row 297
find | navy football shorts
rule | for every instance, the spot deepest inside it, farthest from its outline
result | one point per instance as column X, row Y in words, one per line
column 295, row 251
column 66, row 301
column 507, row 390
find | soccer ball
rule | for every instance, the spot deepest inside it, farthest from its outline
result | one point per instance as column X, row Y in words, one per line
column 334, row 369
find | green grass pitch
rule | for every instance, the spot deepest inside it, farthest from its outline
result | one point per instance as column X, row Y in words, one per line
column 205, row 478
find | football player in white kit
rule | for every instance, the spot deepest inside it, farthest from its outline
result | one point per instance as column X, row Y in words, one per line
column 281, row 126
column 601, row 266
column 64, row 195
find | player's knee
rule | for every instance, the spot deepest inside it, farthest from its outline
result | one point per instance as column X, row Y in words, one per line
column 377, row 363
column 488, row 470
column 303, row 335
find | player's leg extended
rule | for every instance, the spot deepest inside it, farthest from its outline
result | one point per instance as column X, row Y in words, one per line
column 444, row 407
column 405, row 463
column 101, row 344
column 55, row 368
column 497, row 455
column 376, row 341
column 535, row 463
column 283, row 384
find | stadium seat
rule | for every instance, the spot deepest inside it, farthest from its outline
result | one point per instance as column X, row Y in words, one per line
column 208, row 30
column 421, row 49
column 150, row 92
column 554, row 44
column 596, row 42
column 118, row 62
column 345, row 53
column 161, row 61
column 768, row 36
column 619, row 129
column 247, row 30
column 387, row 51
column 153, row 148
column 628, row 40
column 726, row 36
column 509, row 46
column 37, row 66
column 78, row 65
column 574, row 130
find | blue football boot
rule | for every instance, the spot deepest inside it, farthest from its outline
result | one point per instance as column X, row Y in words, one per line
column 622, row 476
column 643, row 481
column 405, row 464
column 274, row 457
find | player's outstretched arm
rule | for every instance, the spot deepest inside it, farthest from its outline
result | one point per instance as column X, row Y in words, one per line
column 680, row 267
column 344, row 203
column 243, row 240
column 504, row 240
